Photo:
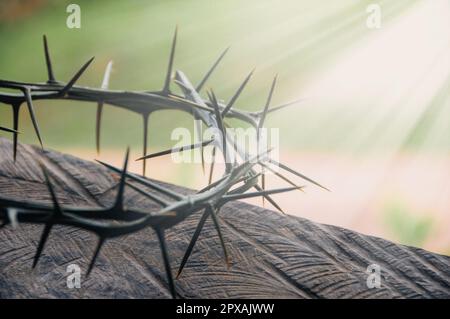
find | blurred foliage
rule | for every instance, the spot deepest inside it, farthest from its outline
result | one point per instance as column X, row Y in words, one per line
column 409, row 228
column 13, row 10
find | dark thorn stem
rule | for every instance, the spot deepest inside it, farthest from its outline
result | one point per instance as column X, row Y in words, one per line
column 33, row 115
column 56, row 206
column 166, row 88
column 75, row 78
column 165, row 255
column 15, row 110
column 202, row 154
column 234, row 195
column 42, row 241
column 145, row 117
column 48, row 61
column 153, row 197
column 266, row 108
column 98, row 123
column 199, row 129
column 281, row 176
column 193, row 241
column 280, row 107
column 220, row 125
column 176, row 150
column 219, row 232
column 211, row 70
column 146, row 182
column 100, row 243
column 5, row 129
column 120, row 192
column 290, row 170
column 269, row 199
column 211, row 170
column 236, row 95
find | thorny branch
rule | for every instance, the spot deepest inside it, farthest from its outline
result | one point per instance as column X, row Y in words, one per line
column 118, row 220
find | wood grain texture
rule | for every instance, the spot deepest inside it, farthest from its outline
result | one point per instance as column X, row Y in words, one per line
column 272, row 255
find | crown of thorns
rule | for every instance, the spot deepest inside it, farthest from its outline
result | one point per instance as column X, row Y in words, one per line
column 117, row 220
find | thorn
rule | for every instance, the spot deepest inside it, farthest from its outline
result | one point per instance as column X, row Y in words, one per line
column 32, row 114
column 48, row 61
column 290, row 170
column 105, row 85
column 56, row 206
column 165, row 255
column 215, row 183
column 153, row 197
column 145, row 182
column 211, row 170
column 15, row 110
column 107, row 75
column 144, row 151
column 97, row 126
column 266, row 108
column 120, row 192
column 211, row 70
column 281, row 176
column 270, row 200
column 202, row 154
column 96, row 253
column 199, row 128
column 219, row 232
column 279, row 107
column 44, row 237
column 75, row 78
column 5, row 129
column 237, row 94
column 236, row 151
column 166, row 88
column 194, row 238
column 48, row 226
column 220, row 125
column 218, row 115
column 176, row 150
column 259, row 193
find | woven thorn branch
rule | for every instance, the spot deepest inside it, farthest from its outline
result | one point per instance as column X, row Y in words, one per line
column 118, row 220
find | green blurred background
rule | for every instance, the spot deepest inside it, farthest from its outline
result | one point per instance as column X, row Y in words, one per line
column 374, row 127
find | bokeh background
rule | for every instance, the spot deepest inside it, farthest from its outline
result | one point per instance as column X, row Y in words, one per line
column 374, row 126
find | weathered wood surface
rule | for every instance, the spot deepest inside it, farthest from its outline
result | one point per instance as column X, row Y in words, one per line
column 273, row 256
